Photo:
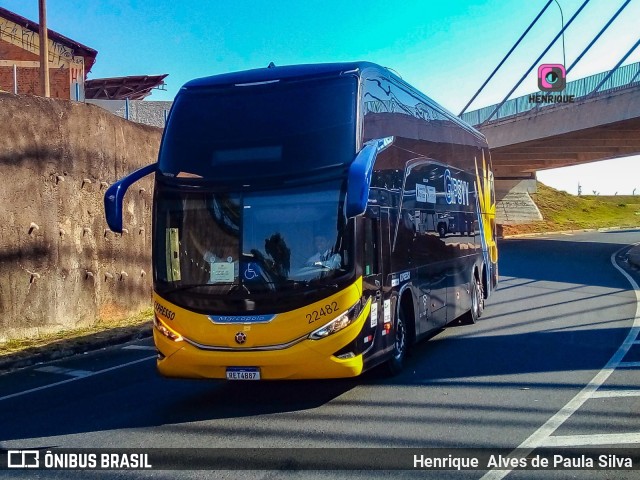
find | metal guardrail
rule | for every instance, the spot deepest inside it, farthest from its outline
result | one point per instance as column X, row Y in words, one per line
column 624, row 77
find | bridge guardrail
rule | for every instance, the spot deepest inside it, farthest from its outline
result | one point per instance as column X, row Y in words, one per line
column 622, row 78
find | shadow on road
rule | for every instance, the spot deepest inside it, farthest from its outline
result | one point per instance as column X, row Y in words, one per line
column 143, row 400
column 563, row 261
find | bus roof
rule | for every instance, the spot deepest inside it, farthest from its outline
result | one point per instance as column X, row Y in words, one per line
column 269, row 74
column 274, row 73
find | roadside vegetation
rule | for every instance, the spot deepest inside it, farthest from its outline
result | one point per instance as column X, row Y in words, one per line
column 20, row 352
column 562, row 211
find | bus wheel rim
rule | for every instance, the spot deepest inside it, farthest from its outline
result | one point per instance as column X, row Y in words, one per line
column 475, row 300
column 400, row 340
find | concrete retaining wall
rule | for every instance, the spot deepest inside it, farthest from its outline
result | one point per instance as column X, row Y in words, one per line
column 60, row 265
column 516, row 208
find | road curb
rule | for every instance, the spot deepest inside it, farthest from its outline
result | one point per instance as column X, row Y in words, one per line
column 634, row 256
column 65, row 348
column 557, row 232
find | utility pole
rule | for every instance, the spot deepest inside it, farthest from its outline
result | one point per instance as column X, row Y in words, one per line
column 44, row 48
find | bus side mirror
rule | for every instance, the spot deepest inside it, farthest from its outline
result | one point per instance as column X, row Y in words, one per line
column 359, row 177
column 114, row 196
column 359, row 180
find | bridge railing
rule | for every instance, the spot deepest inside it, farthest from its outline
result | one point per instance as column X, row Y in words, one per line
column 623, row 77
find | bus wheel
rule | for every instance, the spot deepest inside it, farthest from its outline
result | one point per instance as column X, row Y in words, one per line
column 396, row 362
column 480, row 288
column 477, row 303
column 442, row 230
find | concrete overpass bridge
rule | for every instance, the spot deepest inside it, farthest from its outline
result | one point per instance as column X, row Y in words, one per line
column 525, row 136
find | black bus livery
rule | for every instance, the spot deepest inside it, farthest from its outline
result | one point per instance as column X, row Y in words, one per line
column 312, row 221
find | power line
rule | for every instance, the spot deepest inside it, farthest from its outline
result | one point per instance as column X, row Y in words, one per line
column 626, row 55
column 584, row 4
column 595, row 39
column 506, row 56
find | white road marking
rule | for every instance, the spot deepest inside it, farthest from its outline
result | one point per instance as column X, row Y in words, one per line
column 591, row 440
column 139, row 347
column 542, row 435
column 64, row 371
column 629, row 364
column 62, row 382
column 615, row 393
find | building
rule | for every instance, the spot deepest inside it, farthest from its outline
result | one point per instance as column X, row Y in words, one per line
column 69, row 61
column 121, row 88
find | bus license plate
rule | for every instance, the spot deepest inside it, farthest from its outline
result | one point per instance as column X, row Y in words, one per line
column 243, row 373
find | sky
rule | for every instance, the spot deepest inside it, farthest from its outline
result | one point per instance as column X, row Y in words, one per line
column 445, row 48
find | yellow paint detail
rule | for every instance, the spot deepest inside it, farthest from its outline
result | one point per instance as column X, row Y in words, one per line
column 486, row 199
column 306, row 359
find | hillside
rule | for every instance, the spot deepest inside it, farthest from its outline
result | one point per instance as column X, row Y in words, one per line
column 562, row 211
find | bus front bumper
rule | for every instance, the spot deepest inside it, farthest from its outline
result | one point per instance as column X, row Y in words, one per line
column 308, row 359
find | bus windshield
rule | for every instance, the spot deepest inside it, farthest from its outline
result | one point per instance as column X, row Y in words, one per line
column 250, row 242
column 288, row 128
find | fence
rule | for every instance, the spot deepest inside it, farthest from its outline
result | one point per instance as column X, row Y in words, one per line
column 148, row 112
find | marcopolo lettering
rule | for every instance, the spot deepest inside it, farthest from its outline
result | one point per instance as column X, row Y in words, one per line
column 164, row 311
column 456, row 191
column 241, row 318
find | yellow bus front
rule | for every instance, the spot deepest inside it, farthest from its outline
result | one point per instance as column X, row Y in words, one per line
column 304, row 343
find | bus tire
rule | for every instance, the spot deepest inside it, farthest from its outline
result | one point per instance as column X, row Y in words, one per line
column 396, row 363
column 481, row 297
column 442, row 230
column 477, row 302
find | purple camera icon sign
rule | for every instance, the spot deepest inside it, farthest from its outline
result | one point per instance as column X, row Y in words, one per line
column 552, row 77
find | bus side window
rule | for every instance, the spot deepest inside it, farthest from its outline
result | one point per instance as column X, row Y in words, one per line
column 370, row 263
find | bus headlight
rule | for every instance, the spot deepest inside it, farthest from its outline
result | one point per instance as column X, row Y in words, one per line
column 342, row 321
column 165, row 330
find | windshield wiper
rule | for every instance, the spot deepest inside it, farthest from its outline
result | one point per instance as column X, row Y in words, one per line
column 294, row 283
column 182, row 288
column 320, row 264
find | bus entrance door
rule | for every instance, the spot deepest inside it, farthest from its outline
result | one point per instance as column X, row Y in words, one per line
column 372, row 272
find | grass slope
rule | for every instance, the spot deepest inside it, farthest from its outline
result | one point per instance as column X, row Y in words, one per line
column 562, row 211
column 23, row 352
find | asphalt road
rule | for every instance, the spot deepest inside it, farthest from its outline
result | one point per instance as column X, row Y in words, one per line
column 552, row 363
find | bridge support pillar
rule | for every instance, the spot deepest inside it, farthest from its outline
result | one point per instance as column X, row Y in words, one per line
column 513, row 203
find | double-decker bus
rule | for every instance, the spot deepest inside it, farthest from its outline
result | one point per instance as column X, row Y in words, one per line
column 312, row 221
